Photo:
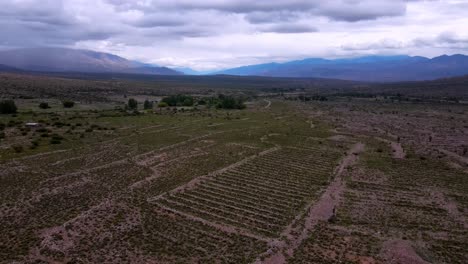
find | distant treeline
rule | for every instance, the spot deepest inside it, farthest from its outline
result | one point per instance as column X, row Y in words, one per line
column 222, row 101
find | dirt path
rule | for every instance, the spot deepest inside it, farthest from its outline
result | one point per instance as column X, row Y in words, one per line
column 400, row 251
column 268, row 103
column 449, row 205
column 321, row 210
column 454, row 156
column 397, row 150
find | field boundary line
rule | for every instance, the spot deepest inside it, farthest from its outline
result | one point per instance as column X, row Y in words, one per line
column 221, row 227
column 321, row 210
column 189, row 185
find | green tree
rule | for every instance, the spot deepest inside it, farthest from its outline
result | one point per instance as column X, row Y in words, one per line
column 163, row 104
column 68, row 104
column 147, row 105
column 188, row 101
column 179, row 100
column 44, row 105
column 132, row 104
column 8, row 107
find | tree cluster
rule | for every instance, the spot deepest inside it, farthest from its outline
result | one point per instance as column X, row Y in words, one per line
column 68, row 104
column 179, row 100
column 226, row 102
column 8, row 107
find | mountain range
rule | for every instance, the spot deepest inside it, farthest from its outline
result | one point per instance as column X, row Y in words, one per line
column 75, row 60
column 369, row 68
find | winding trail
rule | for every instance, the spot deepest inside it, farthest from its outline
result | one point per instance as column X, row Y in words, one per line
column 321, row 210
column 268, row 103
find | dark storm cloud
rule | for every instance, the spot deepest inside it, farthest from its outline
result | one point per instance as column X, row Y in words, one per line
column 268, row 11
column 45, row 21
column 270, row 17
column 289, row 28
column 353, row 10
column 158, row 21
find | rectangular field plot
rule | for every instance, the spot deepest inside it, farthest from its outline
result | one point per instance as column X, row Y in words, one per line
column 261, row 196
column 170, row 238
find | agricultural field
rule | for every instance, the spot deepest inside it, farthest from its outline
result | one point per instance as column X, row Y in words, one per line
column 352, row 181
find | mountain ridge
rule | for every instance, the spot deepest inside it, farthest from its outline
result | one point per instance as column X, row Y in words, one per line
column 367, row 68
column 50, row 59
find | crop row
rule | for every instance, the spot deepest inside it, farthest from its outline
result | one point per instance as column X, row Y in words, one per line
column 263, row 195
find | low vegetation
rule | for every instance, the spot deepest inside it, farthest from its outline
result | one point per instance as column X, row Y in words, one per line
column 194, row 181
column 7, row 107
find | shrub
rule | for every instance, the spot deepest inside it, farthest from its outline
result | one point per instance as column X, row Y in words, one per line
column 44, row 105
column 227, row 102
column 132, row 104
column 68, row 104
column 163, row 104
column 147, row 105
column 34, row 144
column 8, row 107
column 179, row 100
column 56, row 139
column 42, row 130
column 18, row 148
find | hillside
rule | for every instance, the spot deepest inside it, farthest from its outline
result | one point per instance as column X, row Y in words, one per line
column 71, row 60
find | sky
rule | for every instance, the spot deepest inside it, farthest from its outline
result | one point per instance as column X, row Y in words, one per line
column 219, row 34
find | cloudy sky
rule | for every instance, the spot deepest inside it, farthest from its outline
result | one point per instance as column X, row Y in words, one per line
column 215, row 34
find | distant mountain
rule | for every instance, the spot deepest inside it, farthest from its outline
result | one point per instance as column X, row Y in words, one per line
column 73, row 60
column 5, row 68
column 370, row 68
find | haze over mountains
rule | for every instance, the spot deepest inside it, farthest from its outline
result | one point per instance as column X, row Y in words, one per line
column 73, row 60
column 369, row 68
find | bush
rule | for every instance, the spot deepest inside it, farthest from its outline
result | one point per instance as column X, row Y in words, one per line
column 18, row 148
column 34, row 144
column 227, row 102
column 44, row 105
column 8, row 107
column 132, row 104
column 68, row 104
column 56, row 139
column 179, row 100
column 147, row 105
column 163, row 104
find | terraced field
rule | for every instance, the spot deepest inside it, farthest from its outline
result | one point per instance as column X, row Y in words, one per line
column 262, row 195
column 269, row 184
column 407, row 208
